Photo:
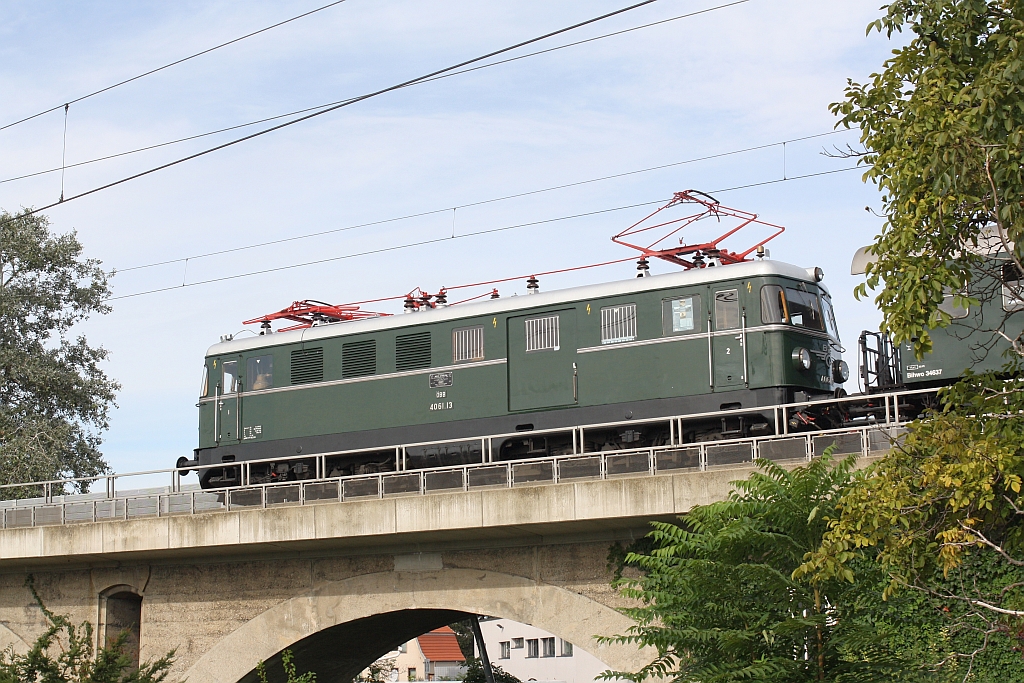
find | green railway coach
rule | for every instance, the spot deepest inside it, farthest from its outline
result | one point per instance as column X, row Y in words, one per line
column 738, row 336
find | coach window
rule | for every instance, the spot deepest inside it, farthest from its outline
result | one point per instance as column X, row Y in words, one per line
column 260, row 371
column 804, row 309
column 230, row 384
column 680, row 316
column 727, row 309
column 773, row 305
column 1013, row 294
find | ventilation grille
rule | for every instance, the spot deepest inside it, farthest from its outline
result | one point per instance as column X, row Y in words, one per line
column 359, row 359
column 542, row 334
column 468, row 344
column 618, row 324
column 307, row 366
column 412, row 351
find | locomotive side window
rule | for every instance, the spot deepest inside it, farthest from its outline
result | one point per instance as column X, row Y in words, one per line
column 773, row 305
column 260, row 371
column 618, row 324
column 680, row 316
column 542, row 334
column 727, row 309
column 230, row 384
column 804, row 309
column 468, row 344
column 205, row 389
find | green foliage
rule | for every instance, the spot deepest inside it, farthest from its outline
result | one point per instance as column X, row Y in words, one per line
column 943, row 130
column 64, row 654
column 54, row 398
column 475, row 673
column 378, row 672
column 718, row 601
column 464, row 634
column 288, row 664
column 944, row 514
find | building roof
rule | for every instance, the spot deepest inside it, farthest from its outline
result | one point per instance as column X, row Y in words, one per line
column 441, row 645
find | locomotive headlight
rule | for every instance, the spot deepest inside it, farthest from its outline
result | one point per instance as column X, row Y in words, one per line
column 840, row 371
column 801, row 358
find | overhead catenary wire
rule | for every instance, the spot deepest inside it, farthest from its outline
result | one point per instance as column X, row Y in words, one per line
column 447, row 238
column 517, row 195
column 328, row 104
column 170, row 64
column 354, row 100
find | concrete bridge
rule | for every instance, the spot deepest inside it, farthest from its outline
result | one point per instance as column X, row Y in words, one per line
column 342, row 582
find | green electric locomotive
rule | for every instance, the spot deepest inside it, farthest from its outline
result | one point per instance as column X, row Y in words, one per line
column 737, row 336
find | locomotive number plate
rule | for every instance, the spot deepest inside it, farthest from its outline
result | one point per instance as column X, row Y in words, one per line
column 442, row 379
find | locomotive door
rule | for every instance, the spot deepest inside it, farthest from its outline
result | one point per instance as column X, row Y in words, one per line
column 541, row 361
column 727, row 344
column 229, row 405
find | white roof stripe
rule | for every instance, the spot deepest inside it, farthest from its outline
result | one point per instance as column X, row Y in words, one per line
column 487, row 307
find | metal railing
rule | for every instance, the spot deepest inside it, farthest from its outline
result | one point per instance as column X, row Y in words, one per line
column 640, row 462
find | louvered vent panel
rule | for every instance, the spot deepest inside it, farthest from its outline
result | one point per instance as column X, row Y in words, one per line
column 307, row 366
column 412, row 351
column 359, row 359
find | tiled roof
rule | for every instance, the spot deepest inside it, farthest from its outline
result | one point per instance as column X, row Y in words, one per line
column 441, row 645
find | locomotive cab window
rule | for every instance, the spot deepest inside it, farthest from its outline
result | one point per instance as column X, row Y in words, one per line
column 618, row 324
column 542, row 334
column 829, row 315
column 260, row 371
column 727, row 309
column 681, row 316
column 230, row 383
column 804, row 309
column 204, row 388
column 773, row 305
column 468, row 344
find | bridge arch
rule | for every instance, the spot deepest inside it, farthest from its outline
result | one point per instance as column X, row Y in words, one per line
column 324, row 627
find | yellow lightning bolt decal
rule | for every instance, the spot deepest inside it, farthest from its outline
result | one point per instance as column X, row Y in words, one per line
column 588, row 309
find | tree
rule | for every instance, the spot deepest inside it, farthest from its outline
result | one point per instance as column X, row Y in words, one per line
column 943, row 512
column 475, row 673
column 718, row 601
column 943, row 131
column 64, row 654
column 290, row 671
column 54, row 398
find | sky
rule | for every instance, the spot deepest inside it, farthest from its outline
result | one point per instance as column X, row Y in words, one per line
column 748, row 75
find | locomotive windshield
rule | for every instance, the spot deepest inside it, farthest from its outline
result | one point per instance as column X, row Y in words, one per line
column 804, row 309
column 830, row 317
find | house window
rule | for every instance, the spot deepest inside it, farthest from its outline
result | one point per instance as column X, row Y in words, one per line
column 517, row 643
column 532, row 648
column 679, row 316
column 468, row 344
column 566, row 648
column 618, row 324
column 548, row 647
column 506, row 649
column 542, row 334
column 412, row 673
